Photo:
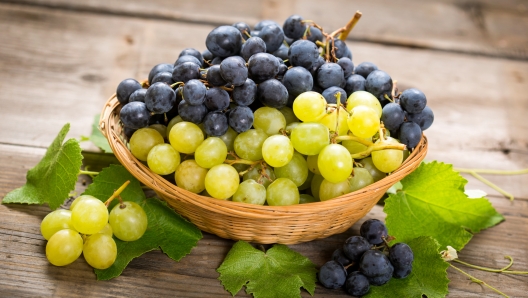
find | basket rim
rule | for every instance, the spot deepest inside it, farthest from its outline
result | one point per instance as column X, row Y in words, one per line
column 159, row 184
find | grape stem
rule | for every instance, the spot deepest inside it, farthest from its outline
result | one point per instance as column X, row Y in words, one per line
column 355, row 139
column 176, row 84
column 475, row 173
column 89, row 173
column 117, row 193
column 350, row 25
column 240, row 160
column 377, row 147
column 476, row 280
column 501, row 270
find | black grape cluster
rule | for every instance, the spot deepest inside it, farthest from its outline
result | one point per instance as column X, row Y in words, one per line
column 366, row 260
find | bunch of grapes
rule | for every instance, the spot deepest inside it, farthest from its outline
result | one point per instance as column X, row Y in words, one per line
column 366, row 260
column 87, row 228
column 282, row 106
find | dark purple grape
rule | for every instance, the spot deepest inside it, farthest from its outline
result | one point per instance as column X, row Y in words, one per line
column 392, row 116
column 376, row 267
column 125, row 89
column 233, row 70
column 347, row 66
column 163, row 77
column 207, row 55
column 217, row 60
column 192, row 52
column 194, row 92
column 374, row 231
column 332, row 275
column 425, row 118
column 354, row 83
column 379, row 83
column 241, row 119
column 365, row 68
column 313, row 71
column 262, row 67
column 224, row 41
column 401, row 257
column 339, row 256
column 245, row 94
column 138, row 95
column 357, row 284
column 215, row 124
column 410, row 134
column 243, row 28
column 129, row 132
column 162, row 67
column 294, row 27
column 297, row 80
column 263, row 24
column 303, row 53
column 413, row 100
column 330, row 95
column 380, row 280
column 135, row 115
column 160, row 98
column 283, row 68
column 282, row 53
column 315, row 34
column 330, row 74
column 272, row 93
column 354, row 247
column 194, row 114
column 341, row 49
column 185, row 72
column 216, row 99
column 188, row 58
column 252, row 46
column 214, row 77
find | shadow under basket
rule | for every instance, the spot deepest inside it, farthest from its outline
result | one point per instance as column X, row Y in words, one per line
column 255, row 223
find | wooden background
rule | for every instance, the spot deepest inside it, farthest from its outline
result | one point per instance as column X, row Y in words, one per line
column 60, row 60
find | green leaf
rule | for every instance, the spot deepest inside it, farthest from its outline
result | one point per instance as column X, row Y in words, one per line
column 52, row 179
column 433, row 203
column 279, row 272
column 166, row 229
column 98, row 138
column 428, row 276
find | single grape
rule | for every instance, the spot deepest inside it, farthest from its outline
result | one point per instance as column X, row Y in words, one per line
column 354, row 83
column 365, row 68
column 263, row 176
column 241, row 118
column 128, row 220
column 296, row 170
column 135, row 115
column 332, row 275
column 273, row 36
column 401, row 257
column 171, row 124
column 341, row 49
column 354, row 247
column 100, row 251
column 310, row 138
column 277, row 150
column 289, row 115
column 364, row 98
column 186, row 71
column 316, row 185
column 163, row 159
column 330, row 74
column 185, row 137
column 214, row 77
column 138, row 95
column 269, row 120
column 376, row 267
column 192, row 113
column 188, row 58
column 89, row 215
column 215, row 124
column 143, row 140
column 361, row 178
column 248, row 145
column 234, row 71
column 303, row 53
column 262, row 67
column 387, row 160
column 314, row 34
column 211, row 152
column 250, row 192
column 374, row 231
column 309, row 106
column 413, row 100
column 307, row 183
column 194, row 92
column 410, row 134
column 347, row 65
column 245, row 94
column 339, row 256
column 222, row 181
column 252, row 46
column 336, row 121
column 294, row 27
column 311, row 161
column 376, row 174
column 424, row 119
column 190, row 176
column 162, row 67
column 216, row 99
column 282, row 192
column 357, row 284
column 335, row 163
column 107, row 230
column 329, row 190
column 55, row 221
column 162, row 77
column 229, row 139
column 330, row 94
column 160, row 98
column 272, row 93
column 64, row 247
column 306, row 198
column 392, row 116
column 224, row 41
column 297, row 80
column 379, row 83
column 125, row 89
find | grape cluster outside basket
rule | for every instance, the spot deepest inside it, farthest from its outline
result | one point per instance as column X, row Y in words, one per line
column 255, row 223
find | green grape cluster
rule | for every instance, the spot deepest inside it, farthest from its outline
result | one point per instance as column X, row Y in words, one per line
column 88, row 228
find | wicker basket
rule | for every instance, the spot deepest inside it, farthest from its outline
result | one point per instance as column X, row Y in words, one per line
column 259, row 224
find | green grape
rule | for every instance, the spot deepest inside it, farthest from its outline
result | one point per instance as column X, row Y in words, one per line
column 309, row 106
column 330, row 120
column 143, row 140
column 335, row 163
column 310, row 138
column 305, row 198
column 229, row 139
column 64, row 247
column 329, row 190
column 360, row 179
column 282, row 192
column 290, row 126
column 163, row 159
column 128, row 220
column 100, row 251
column 185, row 137
column 363, row 122
column 171, row 123
column 355, row 147
column 296, row 170
column 308, row 182
column 222, row 181
column 250, row 192
column 89, row 216
column 211, row 152
column 277, row 150
column 256, row 173
column 248, row 145
column 316, row 185
column 376, row 174
column 79, row 198
column 190, row 176
column 107, row 230
column 269, row 120
column 289, row 115
column 364, row 98
column 311, row 161
column 55, row 221
column 387, row 160
column 162, row 129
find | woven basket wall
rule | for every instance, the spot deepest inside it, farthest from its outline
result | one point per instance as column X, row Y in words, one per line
column 259, row 224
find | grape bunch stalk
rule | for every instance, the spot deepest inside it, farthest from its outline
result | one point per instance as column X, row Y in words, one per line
column 367, row 260
column 88, row 228
column 275, row 115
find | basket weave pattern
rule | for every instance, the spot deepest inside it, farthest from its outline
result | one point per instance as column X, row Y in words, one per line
column 254, row 223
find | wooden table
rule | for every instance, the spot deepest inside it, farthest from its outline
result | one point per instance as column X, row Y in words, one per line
column 60, row 60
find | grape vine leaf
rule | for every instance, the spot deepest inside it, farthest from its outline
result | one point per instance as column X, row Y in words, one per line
column 166, row 229
column 98, row 138
column 432, row 203
column 428, row 276
column 52, row 179
column 278, row 272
